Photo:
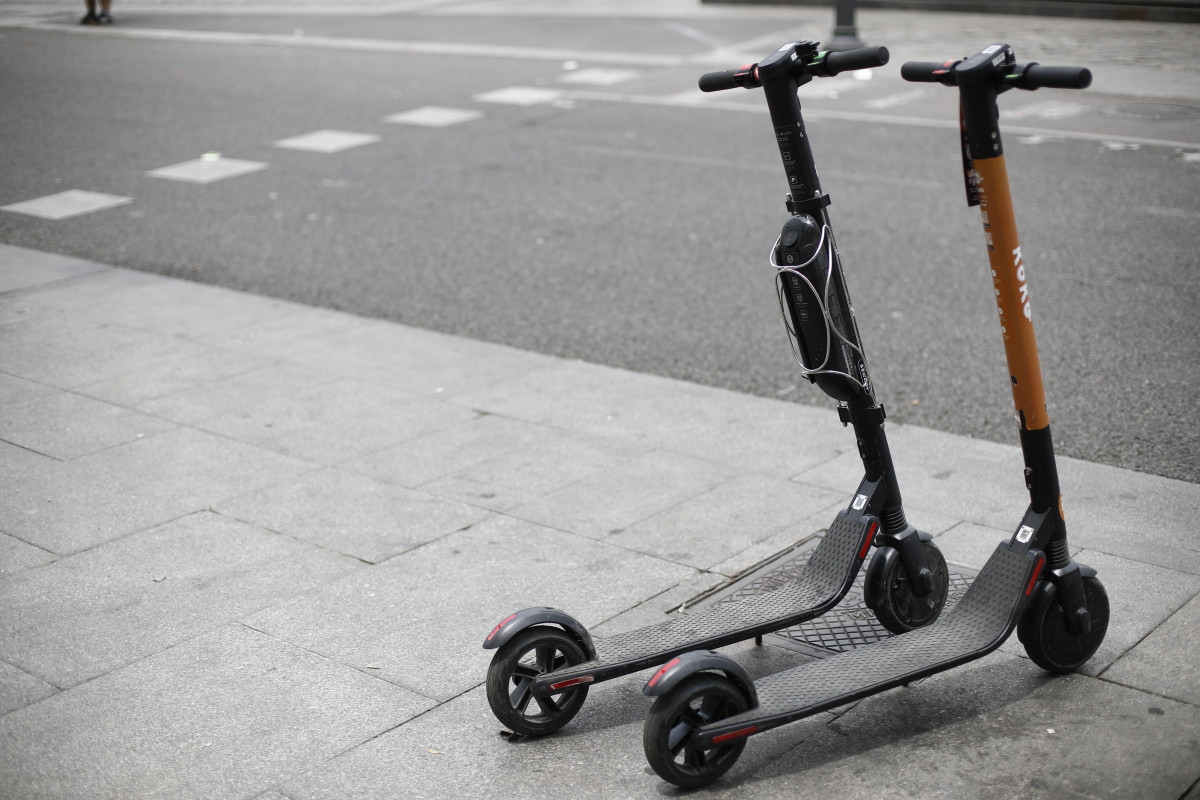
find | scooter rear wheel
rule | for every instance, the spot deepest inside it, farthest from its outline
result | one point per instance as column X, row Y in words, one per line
column 899, row 608
column 667, row 734
column 533, row 652
column 1043, row 629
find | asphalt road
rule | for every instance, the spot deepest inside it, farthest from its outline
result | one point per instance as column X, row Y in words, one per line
column 619, row 220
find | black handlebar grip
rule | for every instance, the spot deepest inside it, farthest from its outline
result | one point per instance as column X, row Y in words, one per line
column 1037, row 77
column 923, row 71
column 862, row 58
column 718, row 81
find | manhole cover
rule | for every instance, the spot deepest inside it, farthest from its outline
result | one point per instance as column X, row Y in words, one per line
column 851, row 624
column 1154, row 111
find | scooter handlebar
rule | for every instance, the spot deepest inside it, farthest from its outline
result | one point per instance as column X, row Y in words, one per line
column 928, row 71
column 861, row 58
column 821, row 65
column 718, row 81
column 1022, row 76
column 1035, row 76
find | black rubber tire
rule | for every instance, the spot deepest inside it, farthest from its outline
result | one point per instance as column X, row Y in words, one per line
column 1042, row 629
column 899, row 609
column 532, row 652
column 699, row 700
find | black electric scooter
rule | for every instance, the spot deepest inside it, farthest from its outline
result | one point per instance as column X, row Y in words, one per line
column 545, row 659
column 706, row 703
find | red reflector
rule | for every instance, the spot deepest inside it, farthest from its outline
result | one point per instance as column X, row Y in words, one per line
column 1036, row 572
column 496, row 630
column 870, row 538
column 725, row 737
column 663, row 671
column 558, row 687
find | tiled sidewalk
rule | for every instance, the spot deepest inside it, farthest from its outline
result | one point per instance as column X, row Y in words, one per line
column 251, row 548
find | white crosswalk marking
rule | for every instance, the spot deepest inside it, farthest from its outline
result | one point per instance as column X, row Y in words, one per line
column 70, row 203
column 327, row 141
column 206, row 169
column 434, row 116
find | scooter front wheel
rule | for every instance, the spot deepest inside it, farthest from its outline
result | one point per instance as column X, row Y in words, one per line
column 898, row 607
column 533, row 652
column 667, row 735
column 1043, row 629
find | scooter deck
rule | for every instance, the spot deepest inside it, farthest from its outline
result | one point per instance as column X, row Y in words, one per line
column 977, row 625
column 827, row 577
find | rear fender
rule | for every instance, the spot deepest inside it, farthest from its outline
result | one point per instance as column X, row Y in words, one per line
column 540, row 615
column 680, row 669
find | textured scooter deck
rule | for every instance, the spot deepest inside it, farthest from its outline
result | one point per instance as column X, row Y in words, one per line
column 978, row 624
column 827, row 577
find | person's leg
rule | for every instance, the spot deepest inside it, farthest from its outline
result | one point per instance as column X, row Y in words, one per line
column 104, row 18
column 90, row 18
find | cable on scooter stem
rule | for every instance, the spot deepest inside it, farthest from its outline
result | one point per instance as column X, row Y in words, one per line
column 825, row 64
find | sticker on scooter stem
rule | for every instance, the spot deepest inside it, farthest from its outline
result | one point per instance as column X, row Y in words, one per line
column 860, row 502
column 1024, row 534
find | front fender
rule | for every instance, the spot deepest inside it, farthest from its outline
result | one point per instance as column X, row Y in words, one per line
column 540, row 615
column 677, row 670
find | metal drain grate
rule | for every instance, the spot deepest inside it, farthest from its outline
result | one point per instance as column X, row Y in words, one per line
column 851, row 624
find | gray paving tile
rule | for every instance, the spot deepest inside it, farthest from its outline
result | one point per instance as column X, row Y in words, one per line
column 742, row 432
column 66, row 425
column 419, row 361
column 21, row 267
column 1167, row 662
column 16, row 555
column 17, row 390
column 19, row 689
column 655, row 609
column 83, row 296
column 456, row 751
column 974, row 481
column 714, row 526
column 454, row 449
column 774, row 545
column 229, row 714
column 614, row 500
column 65, row 351
column 1136, row 610
column 186, row 309
column 238, row 393
column 548, row 460
column 93, row 612
column 421, row 617
column 332, row 422
column 157, row 304
column 296, row 336
column 1133, row 515
column 993, row 729
column 352, row 514
column 65, row 507
column 970, row 545
column 1141, row 517
column 208, row 366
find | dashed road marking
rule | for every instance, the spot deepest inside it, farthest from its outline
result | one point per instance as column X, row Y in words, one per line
column 520, row 96
column 70, row 203
column 206, row 169
column 599, row 76
column 434, row 116
column 1049, row 109
column 327, row 141
column 895, row 99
